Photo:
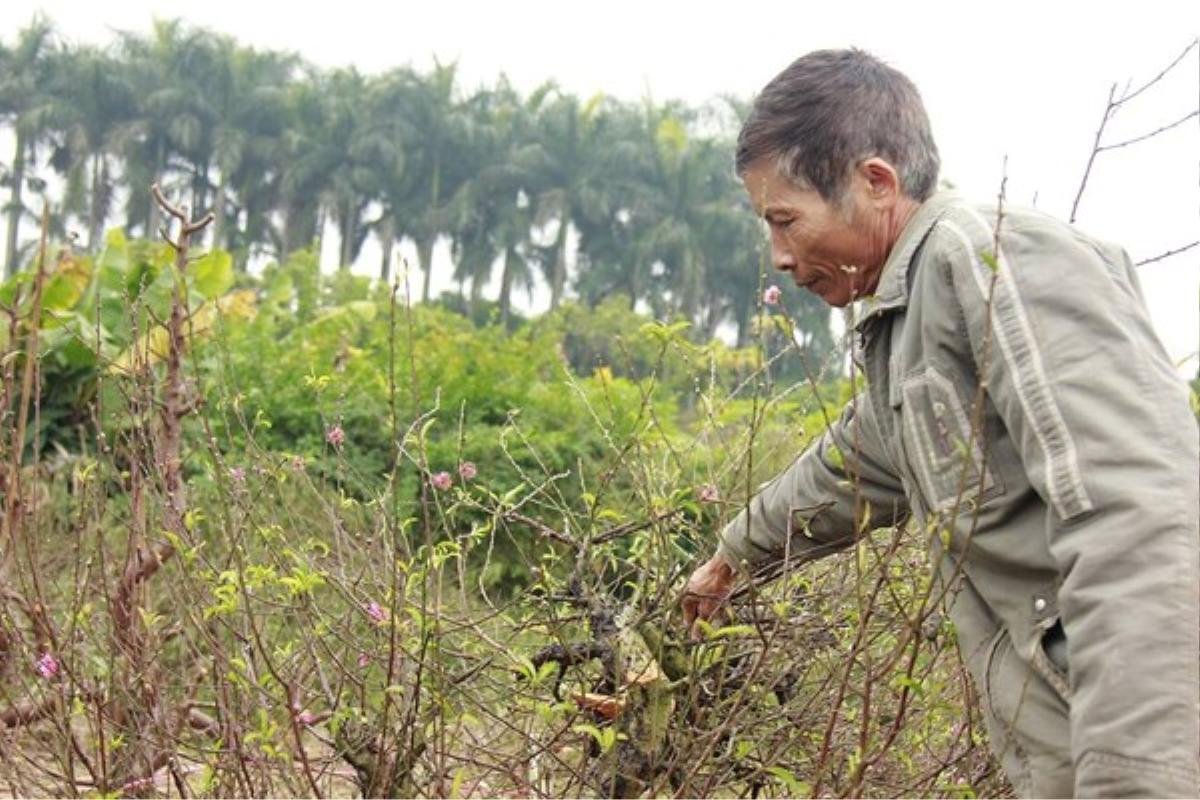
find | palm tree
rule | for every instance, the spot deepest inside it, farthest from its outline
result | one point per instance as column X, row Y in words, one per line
column 688, row 194
column 163, row 142
column 385, row 140
column 439, row 160
column 611, row 219
column 328, row 160
column 95, row 109
column 27, row 105
column 568, row 170
column 495, row 212
column 247, row 101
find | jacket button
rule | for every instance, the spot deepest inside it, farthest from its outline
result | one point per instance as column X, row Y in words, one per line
column 1039, row 604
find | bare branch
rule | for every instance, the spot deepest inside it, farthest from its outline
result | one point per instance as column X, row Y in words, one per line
column 1168, row 254
column 541, row 528
column 1114, row 104
column 175, row 211
column 1150, row 135
column 1125, row 98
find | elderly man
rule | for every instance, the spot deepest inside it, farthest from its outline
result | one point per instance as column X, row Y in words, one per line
column 1019, row 405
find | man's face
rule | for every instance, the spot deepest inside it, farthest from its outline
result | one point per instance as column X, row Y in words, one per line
column 832, row 251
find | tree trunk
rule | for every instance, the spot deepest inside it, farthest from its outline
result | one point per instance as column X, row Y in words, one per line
column 693, row 280
column 558, row 278
column 218, row 223
column 425, row 257
column 506, row 282
column 634, row 283
column 745, row 311
column 15, row 207
column 346, row 229
column 95, row 207
column 477, row 281
column 160, row 168
column 387, row 240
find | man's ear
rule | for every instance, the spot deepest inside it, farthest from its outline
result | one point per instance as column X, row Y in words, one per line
column 881, row 180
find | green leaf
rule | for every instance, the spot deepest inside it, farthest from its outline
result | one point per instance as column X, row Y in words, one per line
column 733, row 631
column 795, row 787
column 212, row 274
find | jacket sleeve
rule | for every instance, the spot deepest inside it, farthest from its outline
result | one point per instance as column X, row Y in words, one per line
column 1102, row 422
column 838, row 487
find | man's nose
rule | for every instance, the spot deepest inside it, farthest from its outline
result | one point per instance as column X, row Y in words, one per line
column 781, row 254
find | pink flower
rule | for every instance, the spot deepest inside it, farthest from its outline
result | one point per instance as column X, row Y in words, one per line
column 771, row 296
column 442, row 481
column 237, row 474
column 467, row 471
column 335, row 435
column 364, row 660
column 306, row 718
column 46, row 666
column 708, row 494
column 376, row 612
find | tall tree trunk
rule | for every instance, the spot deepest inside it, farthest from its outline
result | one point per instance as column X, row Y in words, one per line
column 425, row 257
column 477, row 281
column 218, row 223
column 318, row 239
column 558, row 277
column 692, row 280
column 15, row 207
column 160, row 167
column 346, row 229
column 387, row 240
column 634, row 283
column 96, row 206
column 506, row 283
column 425, row 244
column 745, row 311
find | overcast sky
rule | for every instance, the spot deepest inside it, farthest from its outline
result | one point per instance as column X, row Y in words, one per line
column 1024, row 79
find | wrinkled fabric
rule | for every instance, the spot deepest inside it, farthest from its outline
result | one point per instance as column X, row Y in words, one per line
column 1020, row 408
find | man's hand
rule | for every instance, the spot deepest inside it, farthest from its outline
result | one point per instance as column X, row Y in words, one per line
column 706, row 591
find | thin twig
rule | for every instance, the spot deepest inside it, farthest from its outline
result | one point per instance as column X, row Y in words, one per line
column 1151, row 134
column 1167, row 254
column 1125, row 98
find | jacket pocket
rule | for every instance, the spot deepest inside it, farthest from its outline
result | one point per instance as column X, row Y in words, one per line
column 1050, row 659
column 946, row 458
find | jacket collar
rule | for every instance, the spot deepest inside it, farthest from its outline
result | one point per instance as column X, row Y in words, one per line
column 892, row 291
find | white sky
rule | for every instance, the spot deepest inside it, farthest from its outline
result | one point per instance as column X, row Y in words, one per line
column 1023, row 79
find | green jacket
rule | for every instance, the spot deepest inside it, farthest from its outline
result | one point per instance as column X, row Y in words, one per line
column 1023, row 410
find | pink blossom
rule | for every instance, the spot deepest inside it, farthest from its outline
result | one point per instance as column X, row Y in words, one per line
column 376, row 611
column 467, row 471
column 708, row 494
column 364, row 660
column 335, row 435
column 442, row 481
column 306, row 718
column 237, row 474
column 47, row 666
column 771, row 296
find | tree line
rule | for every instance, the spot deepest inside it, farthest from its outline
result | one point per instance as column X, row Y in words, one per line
column 275, row 147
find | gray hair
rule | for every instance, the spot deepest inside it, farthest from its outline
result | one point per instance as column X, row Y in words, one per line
column 830, row 110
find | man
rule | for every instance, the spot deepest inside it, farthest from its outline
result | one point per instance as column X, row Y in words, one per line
column 1018, row 405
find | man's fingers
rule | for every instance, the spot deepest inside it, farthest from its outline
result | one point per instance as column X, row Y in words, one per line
column 689, row 604
column 708, row 609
